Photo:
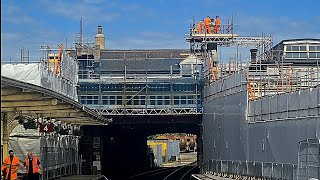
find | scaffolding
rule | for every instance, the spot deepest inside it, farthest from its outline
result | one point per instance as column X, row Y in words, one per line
column 131, row 92
column 205, row 45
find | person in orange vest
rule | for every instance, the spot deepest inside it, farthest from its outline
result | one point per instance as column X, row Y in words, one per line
column 10, row 166
column 33, row 166
column 217, row 25
column 207, row 22
column 200, row 25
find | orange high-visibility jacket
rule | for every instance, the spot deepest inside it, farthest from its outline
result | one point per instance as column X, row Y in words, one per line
column 218, row 21
column 5, row 168
column 207, row 21
column 200, row 25
column 35, row 165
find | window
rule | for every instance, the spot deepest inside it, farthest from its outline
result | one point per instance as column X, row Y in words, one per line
column 119, row 102
column 312, row 48
column 166, row 102
column 105, row 97
column 295, row 48
column 190, row 99
column 152, row 102
column 129, row 102
column 303, row 55
column 176, row 102
column 289, row 48
column 136, row 102
column 295, row 55
column 312, row 55
column 303, row 48
column 318, row 48
column 143, row 102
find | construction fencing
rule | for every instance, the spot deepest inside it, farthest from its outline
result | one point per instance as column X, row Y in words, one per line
column 250, row 169
column 308, row 159
column 298, row 104
column 59, row 156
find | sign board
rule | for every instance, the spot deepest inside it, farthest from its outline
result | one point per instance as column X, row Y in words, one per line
column 46, row 127
column 97, row 164
column 96, row 142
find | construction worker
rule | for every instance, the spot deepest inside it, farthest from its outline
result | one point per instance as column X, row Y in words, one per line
column 217, row 25
column 10, row 166
column 200, row 26
column 207, row 23
column 33, row 166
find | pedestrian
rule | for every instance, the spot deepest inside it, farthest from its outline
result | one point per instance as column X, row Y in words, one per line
column 33, row 166
column 217, row 25
column 155, row 161
column 200, row 26
column 10, row 167
column 207, row 23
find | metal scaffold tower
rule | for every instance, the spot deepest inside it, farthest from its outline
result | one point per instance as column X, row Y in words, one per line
column 205, row 45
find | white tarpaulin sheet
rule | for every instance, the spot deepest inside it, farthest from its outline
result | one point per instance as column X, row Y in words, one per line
column 30, row 73
column 39, row 74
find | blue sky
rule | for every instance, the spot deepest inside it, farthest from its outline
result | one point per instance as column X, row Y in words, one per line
column 146, row 24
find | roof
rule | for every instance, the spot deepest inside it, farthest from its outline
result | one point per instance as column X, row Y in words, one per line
column 306, row 40
column 35, row 101
column 144, row 54
column 139, row 65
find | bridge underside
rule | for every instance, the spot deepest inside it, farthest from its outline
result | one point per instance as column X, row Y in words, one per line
column 122, row 146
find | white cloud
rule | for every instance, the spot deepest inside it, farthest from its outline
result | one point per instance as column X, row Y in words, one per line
column 17, row 20
column 9, row 36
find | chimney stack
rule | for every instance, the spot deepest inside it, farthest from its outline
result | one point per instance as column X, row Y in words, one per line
column 100, row 39
column 99, row 30
column 253, row 54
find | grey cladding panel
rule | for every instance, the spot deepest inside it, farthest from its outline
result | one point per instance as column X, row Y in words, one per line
column 313, row 103
column 303, row 99
column 293, row 101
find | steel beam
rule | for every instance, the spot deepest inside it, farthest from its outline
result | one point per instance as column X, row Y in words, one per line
column 22, row 97
column 51, row 102
column 51, row 111
column 63, row 115
column 9, row 91
column 37, row 108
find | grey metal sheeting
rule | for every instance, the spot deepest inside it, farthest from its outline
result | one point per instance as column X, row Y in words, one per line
column 233, row 129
